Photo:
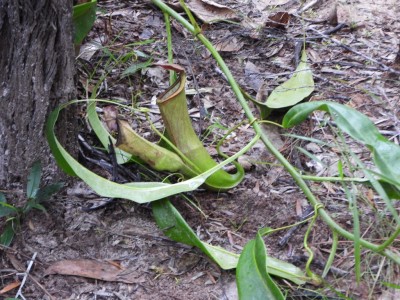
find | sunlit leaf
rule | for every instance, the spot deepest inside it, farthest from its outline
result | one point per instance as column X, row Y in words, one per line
column 294, row 90
column 176, row 228
column 252, row 276
column 140, row 192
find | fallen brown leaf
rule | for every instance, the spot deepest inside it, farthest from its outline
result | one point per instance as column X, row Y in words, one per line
column 278, row 20
column 209, row 11
column 9, row 287
column 93, row 269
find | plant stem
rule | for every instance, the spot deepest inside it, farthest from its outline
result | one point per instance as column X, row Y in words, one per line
column 268, row 144
column 334, row 179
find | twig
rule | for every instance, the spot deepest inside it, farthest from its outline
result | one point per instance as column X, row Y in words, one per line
column 307, row 213
column 307, row 6
column 384, row 67
column 19, row 293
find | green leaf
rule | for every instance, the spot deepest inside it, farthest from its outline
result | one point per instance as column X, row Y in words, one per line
column 37, row 206
column 46, row 192
column 252, row 278
column 140, row 192
column 53, row 142
column 176, row 228
column 8, row 234
column 103, row 135
column 294, row 90
column 5, row 208
column 137, row 66
column 83, row 17
column 34, row 180
column 386, row 154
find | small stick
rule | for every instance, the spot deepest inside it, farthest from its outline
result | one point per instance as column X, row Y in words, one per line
column 307, row 6
column 307, row 213
column 19, row 293
column 348, row 48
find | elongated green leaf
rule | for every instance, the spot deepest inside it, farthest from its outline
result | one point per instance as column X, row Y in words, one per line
column 137, row 66
column 5, row 208
column 294, row 90
column 84, row 16
column 252, row 276
column 7, row 235
column 386, row 154
column 103, row 135
column 53, row 142
column 176, row 228
column 34, row 180
column 142, row 192
column 46, row 192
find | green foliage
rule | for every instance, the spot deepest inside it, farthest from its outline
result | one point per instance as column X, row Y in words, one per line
column 386, row 154
column 140, row 192
column 294, row 90
column 35, row 197
column 252, row 278
column 176, row 228
column 83, row 16
column 137, row 66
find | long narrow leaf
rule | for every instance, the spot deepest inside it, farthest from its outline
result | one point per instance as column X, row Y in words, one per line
column 142, row 192
column 176, row 228
column 34, row 180
column 102, row 134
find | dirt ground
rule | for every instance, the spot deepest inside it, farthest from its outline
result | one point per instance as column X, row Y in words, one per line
column 352, row 65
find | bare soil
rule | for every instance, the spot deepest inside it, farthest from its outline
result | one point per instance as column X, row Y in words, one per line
column 353, row 65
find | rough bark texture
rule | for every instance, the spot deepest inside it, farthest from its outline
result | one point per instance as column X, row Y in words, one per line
column 37, row 72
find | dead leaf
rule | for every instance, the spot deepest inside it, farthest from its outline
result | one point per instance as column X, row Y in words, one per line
column 278, row 20
column 10, row 287
column 253, row 76
column 263, row 4
column 299, row 208
column 229, row 44
column 93, row 269
column 110, row 117
column 332, row 18
column 209, row 11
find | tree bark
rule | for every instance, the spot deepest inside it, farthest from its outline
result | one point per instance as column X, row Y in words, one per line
column 37, row 73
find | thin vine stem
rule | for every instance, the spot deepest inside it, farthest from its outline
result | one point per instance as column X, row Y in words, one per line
column 268, row 144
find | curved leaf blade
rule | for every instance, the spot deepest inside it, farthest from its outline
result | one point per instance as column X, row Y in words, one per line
column 252, row 278
column 141, row 192
column 176, row 228
column 294, row 90
column 386, row 155
column 83, row 16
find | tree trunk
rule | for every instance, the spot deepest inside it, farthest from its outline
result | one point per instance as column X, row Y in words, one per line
column 36, row 74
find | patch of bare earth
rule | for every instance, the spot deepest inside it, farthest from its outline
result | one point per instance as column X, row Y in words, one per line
column 354, row 65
